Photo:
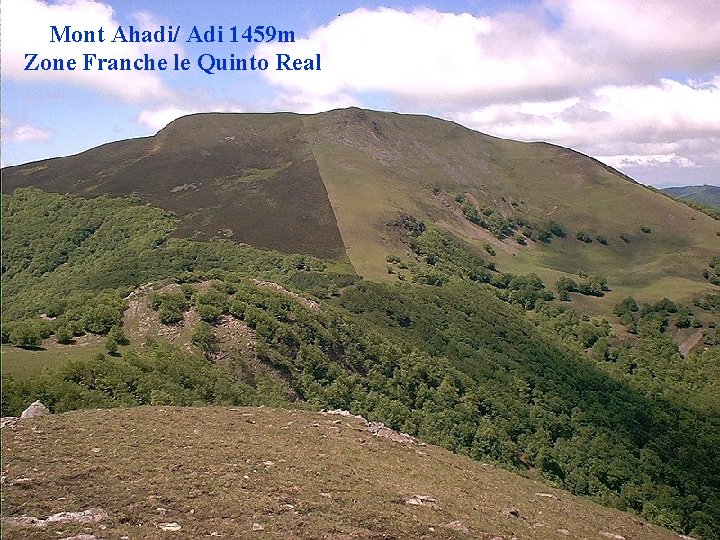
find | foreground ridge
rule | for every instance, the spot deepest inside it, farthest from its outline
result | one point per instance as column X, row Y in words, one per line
column 243, row 472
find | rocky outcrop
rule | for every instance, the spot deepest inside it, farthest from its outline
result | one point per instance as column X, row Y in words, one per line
column 35, row 409
column 379, row 429
column 91, row 515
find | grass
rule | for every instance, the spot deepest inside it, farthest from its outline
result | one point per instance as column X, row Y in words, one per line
column 220, row 472
column 23, row 363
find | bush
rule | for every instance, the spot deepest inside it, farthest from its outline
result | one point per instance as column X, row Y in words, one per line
column 564, row 286
column 204, row 338
column 111, row 346
column 584, row 237
column 26, row 335
column 63, row 335
column 170, row 306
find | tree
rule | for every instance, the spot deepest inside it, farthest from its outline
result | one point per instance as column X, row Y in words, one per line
column 564, row 286
column 204, row 338
column 118, row 335
column 26, row 335
column 63, row 335
column 111, row 346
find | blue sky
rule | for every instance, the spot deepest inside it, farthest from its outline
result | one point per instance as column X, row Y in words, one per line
column 633, row 83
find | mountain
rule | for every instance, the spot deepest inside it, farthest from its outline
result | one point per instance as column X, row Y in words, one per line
column 154, row 472
column 706, row 194
column 329, row 185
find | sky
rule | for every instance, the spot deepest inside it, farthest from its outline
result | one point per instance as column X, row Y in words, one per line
column 633, row 83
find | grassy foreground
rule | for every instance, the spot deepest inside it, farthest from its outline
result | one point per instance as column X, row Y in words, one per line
column 271, row 473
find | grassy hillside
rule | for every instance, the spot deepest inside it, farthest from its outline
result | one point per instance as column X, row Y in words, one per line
column 329, row 184
column 249, row 179
column 267, row 473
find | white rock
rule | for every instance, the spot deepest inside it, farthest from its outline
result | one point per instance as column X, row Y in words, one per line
column 91, row 515
column 36, row 408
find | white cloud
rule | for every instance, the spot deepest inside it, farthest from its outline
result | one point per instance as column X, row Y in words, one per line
column 651, row 160
column 26, row 29
column 425, row 56
column 308, row 103
column 157, row 119
column 665, row 111
column 28, row 133
column 644, row 35
column 22, row 133
column 451, row 60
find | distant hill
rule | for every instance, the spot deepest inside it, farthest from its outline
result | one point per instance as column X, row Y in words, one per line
column 329, row 184
column 268, row 473
column 707, row 195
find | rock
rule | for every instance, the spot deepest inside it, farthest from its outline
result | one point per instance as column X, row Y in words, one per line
column 24, row 521
column 172, row 526
column 82, row 537
column 36, row 408
column 257, row 527
column 9, row 421
column 613, row 536
column 458, row 526
column 91, row 515
column 511, row 512
column 547, row 496
column 381, row 430
column 421, row 500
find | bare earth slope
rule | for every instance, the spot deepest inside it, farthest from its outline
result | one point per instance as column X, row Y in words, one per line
column 186, row 473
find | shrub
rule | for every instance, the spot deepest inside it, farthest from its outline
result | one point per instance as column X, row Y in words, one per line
column 26, row 335
column 63, row 335
column 584, row 237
